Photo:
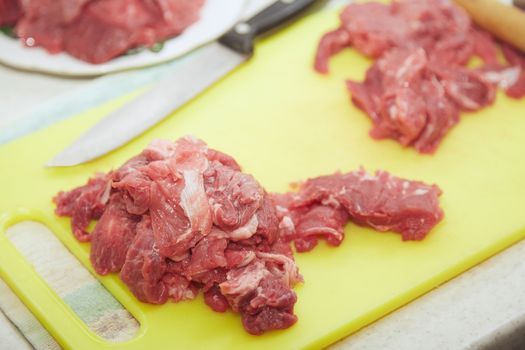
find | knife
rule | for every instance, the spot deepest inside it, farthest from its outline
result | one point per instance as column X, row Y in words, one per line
column 207, row 65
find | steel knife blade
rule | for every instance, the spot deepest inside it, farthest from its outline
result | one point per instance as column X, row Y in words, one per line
column 207, row 65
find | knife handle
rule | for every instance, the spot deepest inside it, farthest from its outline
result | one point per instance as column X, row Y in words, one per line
column 240, row 38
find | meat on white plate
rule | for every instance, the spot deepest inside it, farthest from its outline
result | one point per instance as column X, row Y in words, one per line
column 96, row 31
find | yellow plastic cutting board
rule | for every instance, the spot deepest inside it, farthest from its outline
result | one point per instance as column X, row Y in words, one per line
column 283, row 123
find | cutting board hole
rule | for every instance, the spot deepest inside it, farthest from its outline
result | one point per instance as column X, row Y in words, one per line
column 68, row 278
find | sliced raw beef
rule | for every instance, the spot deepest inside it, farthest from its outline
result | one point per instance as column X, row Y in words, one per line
column 112, row 236
column 10, row 12
column 375, row 28
column 98, row 30
column 415, row 90
column 468, row 89
column 407, row 101
column 323, row 205
column 84, row 203
column 180, row 217
column 512, row 82
column 234, row 198
column 144, row 267
column 262, row 292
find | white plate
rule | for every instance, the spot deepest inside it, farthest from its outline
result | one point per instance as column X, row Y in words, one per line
column 216, row 17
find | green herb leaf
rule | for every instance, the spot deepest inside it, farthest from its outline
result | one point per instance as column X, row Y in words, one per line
column 157, row 47
column 9, row 31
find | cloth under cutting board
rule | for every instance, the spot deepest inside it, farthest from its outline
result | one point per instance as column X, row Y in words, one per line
column 71, row 281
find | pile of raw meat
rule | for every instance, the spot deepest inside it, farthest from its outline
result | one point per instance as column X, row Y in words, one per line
column 419, row 83
column 181, row 217
column 97, row 30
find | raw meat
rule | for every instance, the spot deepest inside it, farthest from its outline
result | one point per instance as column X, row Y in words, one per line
column 397, row 92
column 181, row 217
column 415, row 90
column 112, row 236
column 323, row 205
column 10, row 12
column 84, row 204
column 98, row 30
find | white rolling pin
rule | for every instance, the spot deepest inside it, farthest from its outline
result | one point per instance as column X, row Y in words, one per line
column 504, row 21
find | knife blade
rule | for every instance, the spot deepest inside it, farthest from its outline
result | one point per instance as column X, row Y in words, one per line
column 207, row 65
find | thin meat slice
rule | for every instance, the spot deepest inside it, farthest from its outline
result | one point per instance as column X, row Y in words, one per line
column 517, row 60
column 381, row 201
column 84, row 204
column 403, row 116
column 330, row 44
column 267, row 227
column 234, row 198
column 171, row 226
column 112, row 236
column 208, row 254
column 484, row 45
column 135, row 189
column 367, row 95
column 510, row 79
column 391, row 95
column 517, row 90
column 145, row 267
column 443, row 115
column 389, row 203
column 189, row 161
column 513, row 55
column 222, row 158
column 372, row 28
column 179, row 207
column 305, row 219
column 262, row 292
column 320, row 222
column 467, row 88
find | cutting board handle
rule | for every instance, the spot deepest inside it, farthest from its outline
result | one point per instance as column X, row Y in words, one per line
column 53, row 313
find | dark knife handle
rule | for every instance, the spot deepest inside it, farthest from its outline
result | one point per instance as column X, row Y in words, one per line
column 240, row 38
